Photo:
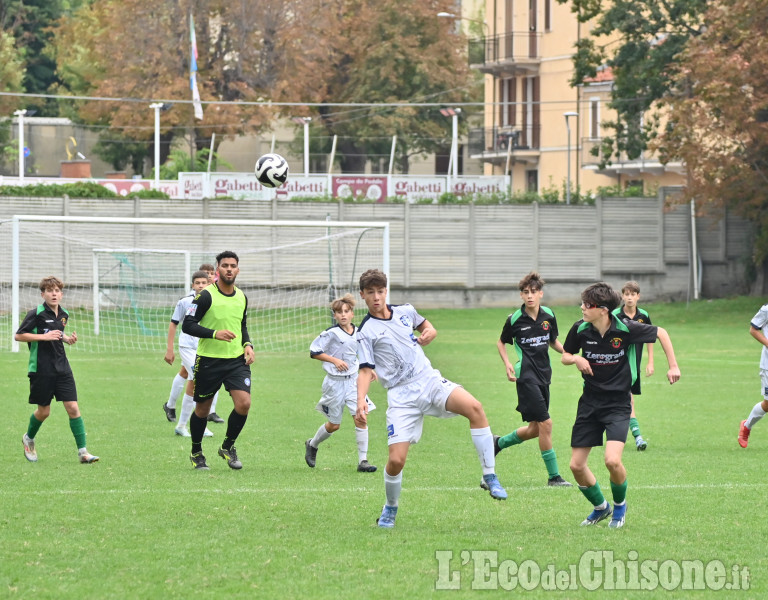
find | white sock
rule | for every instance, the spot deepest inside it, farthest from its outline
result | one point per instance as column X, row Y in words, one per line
column 321, row 435
column 213, row 402
column 187, row 407
column 361, row 435
column 176, row 388
column 483, row 441
column 393, row 485
column 756, row 414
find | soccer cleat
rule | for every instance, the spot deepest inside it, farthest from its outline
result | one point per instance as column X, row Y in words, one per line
column 387, row 518
column 29, row 448
column 640, row 443
column 198, row 460
column 207, row 433
column 494, row 487
column 182, row 431
column 213, row 417
column 170, row 413
column 496, row 447
column 597, row 515
column 366, row 467
column 86, row 457
column 744, row 434
column 619, row 512
column 310, row 454
column 558, row 481
column 230, row 456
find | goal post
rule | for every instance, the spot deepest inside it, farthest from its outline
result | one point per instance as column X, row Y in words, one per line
column 124, row 275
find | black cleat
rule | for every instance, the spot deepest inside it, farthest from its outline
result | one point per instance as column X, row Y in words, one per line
column 310, row 454
column 170, row 413
column 198, row 460
column 366, row 467
column 231, row 457
column 215, row 418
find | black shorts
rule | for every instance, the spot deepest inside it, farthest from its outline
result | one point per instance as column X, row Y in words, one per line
column 533, row 402
column 636, row 387
column 212, row 373
column 598, row 414
column 43, row 388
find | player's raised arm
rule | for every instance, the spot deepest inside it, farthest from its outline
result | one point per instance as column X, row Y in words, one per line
column 673, row 374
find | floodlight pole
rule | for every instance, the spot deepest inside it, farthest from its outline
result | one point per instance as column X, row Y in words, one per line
column 304, row 121
column 567, row 116
column 157, row 106
column 20, row 114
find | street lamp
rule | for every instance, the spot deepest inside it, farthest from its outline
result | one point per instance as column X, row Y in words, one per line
column 305, row 122
column 454, row 114
column 20, row 114
column 158, row 106
column 567, row 116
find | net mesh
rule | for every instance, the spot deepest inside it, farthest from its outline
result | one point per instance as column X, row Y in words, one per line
column 122, row 280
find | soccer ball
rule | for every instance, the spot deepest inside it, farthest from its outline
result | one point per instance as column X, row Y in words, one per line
column 271, row 170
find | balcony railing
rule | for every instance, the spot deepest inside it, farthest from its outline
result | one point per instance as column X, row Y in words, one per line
column 512, row 47
column 647, row 162
column 496, row 140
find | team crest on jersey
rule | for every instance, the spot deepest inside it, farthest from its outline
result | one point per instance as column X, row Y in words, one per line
column 406, row 321
column 63, row 321
column 192, row 310
column 616, row 342
column 640, row 321
column 545, row 325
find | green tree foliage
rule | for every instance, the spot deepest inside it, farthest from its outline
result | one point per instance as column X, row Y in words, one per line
column 11, row 74
column 718, row 122
column 640, row 40
column 379, row 51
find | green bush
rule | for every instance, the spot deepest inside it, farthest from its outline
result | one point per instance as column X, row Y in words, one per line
column 84, row 189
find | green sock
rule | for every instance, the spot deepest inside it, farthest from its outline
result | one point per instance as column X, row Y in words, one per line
column 634, row 426
column 510, row 439
column 34, row 426
column 78, row 430
column 619, row 491
column 593, row 494
column 550, row 460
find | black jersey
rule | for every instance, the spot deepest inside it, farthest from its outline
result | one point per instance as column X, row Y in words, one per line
column 612, row 356
column 47, row 357
column 531, row 339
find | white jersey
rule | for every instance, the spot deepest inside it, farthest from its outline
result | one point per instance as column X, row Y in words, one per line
column 185, row 340
column 760, row 321
column 390, row 347
column 336, row 342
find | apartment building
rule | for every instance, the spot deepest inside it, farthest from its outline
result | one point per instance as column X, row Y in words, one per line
column 538, row 127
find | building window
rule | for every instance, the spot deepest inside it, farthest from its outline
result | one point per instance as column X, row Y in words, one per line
column 532, row 180
column 508, row 99
column 594, row 118
column 547, row 15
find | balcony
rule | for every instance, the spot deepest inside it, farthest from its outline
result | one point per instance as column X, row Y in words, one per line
column 646, row 163
column 512, row 53
column 492, row 144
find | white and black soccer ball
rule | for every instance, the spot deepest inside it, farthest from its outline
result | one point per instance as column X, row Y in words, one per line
column 271, row 170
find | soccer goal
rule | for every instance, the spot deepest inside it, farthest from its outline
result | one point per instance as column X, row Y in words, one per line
column 123, row 276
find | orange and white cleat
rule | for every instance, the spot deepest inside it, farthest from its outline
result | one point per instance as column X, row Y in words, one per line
column 744, row 434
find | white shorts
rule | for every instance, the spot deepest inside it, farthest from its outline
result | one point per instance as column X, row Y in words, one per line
column 764, row 382
column 187, row 356
column 338, row 391
column 409, row 402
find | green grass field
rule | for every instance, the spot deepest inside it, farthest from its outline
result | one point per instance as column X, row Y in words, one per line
column 141, row 523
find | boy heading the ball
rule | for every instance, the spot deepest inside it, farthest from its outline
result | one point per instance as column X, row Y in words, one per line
column 387, row 343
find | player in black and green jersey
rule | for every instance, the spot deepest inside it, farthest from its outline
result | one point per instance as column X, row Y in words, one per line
column 532, row 330
column 50, row 375
column 630, row 311
column 608, row 368
column 217, row 316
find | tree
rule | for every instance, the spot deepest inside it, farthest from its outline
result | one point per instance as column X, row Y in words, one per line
column 641, row 41
column 718, row 122
column 11, row 73
column 378, row 51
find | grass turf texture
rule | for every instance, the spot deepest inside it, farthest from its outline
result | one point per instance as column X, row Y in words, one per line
column 142, row 523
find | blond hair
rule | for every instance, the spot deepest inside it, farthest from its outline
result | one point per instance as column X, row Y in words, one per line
column 339, row 303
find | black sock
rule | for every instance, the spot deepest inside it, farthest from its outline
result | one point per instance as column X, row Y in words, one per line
column 235, row 425
column 196, row 430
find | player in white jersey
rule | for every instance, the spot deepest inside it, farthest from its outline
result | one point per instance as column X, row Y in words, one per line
column 337, row 348
column 758, row 329
column 187, row 352
column 387, row 343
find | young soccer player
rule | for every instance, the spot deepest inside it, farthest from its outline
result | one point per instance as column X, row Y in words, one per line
column 187, row 351
column 217, row 316
column 387, row 343
column 336, row 347
column 758, row 329
column 533, row 331
column 630, row 311
column 607, row 366
column 212, row 278
column 50, row 374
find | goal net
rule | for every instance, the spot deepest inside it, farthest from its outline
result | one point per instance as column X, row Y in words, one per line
column 123, row 276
